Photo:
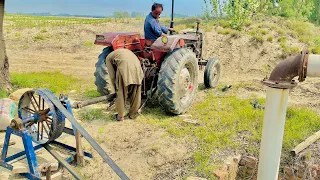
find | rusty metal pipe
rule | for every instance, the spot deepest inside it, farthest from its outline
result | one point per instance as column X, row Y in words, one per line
column 287, row 69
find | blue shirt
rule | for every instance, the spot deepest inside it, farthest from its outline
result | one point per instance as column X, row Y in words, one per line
column 152, row 28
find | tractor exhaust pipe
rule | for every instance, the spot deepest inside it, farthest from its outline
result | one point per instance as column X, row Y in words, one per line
column 171, row 23
column 278, row 85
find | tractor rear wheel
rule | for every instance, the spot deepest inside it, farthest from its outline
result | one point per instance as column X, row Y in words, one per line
column 178, row 81
column 102, row 79
column 212, row 73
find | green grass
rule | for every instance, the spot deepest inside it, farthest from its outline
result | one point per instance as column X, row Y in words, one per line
column 88, row 44
column 224, row 31
column 3, row 93
column 258, row 38
column 281, row 32
column 54, row 81
column 39, row 36
column 270, row 38
column 223, row 120
column 91, row 114
column 92, row 93
column 28, row 21
column 263, row 31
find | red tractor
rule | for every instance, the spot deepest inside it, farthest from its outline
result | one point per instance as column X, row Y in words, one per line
column 170, row 64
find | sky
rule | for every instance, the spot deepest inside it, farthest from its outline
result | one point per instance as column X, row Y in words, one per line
column 100, row 7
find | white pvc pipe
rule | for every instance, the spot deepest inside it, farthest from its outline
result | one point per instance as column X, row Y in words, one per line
column 272, row 133
column 313, row 67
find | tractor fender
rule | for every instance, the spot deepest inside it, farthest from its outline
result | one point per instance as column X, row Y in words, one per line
column 174, row 41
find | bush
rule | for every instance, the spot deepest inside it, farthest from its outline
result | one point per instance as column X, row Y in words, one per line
column 270, row 38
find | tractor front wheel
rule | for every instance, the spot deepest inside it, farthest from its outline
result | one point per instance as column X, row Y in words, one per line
column 212, row 73
column 178, row 81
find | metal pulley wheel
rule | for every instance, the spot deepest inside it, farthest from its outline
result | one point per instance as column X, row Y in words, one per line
column 40, row 116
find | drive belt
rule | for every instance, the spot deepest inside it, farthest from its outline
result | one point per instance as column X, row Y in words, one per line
column 85, row 134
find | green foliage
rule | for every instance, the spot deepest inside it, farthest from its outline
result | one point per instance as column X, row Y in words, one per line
column 121, row 16
column 54, row 81
column 239, row 12
column 3, row 93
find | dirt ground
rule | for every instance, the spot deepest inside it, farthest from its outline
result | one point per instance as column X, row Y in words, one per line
column 142, row 151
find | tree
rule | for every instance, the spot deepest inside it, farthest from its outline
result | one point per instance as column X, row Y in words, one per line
column 4, row 63
column 127, row 16
column 239, row 12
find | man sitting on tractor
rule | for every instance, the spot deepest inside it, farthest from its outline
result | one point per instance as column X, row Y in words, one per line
column 126, row 76
column 152, row 28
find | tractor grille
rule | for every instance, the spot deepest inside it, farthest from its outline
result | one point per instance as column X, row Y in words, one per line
column 99, row 37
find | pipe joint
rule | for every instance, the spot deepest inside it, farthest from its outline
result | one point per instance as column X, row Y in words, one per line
column 282, row 75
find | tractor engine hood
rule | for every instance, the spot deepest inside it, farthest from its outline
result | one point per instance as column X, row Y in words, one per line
column 172, row 42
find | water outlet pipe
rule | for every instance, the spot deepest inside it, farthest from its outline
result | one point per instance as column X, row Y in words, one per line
column 278, row 85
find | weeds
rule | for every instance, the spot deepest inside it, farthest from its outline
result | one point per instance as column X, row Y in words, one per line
column 281, row 32
column 258, row 38
column 89, row 115
column 263, row 31
column 39, row 36
column 88, row 44
column 270, row 38
column 224, row 31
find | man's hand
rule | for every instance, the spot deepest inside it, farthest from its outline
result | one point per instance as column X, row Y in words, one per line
column 171, row 29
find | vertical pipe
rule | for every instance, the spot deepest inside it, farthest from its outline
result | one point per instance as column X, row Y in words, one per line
column 172, row 9
column 313, row 67
column 272, row 133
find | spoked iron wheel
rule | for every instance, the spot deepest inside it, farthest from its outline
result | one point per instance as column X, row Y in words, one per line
column 40, row 117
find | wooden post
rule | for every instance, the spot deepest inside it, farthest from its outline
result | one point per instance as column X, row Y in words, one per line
column 305, row 143
column 48, row 173
column 80, row 156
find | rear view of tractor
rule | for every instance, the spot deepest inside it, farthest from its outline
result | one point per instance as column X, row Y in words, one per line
column 170, row 65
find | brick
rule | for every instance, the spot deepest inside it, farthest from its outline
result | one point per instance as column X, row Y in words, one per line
column 248, row 161
column 233, row 167
column 301, row 170
column 289, row 173
column 195, row 178
column 237, row 159
column 221, row 174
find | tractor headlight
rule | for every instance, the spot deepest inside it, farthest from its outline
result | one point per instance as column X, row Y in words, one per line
column 164, row 39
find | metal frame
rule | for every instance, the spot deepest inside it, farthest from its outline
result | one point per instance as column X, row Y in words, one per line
column 29, row 149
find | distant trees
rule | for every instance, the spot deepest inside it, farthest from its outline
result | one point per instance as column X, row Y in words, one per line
column 122, row 16
column 241, row 11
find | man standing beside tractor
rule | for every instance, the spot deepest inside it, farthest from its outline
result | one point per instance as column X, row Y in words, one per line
column 152, row 28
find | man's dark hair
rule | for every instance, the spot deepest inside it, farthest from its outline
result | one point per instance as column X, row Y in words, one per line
column 156, row 5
